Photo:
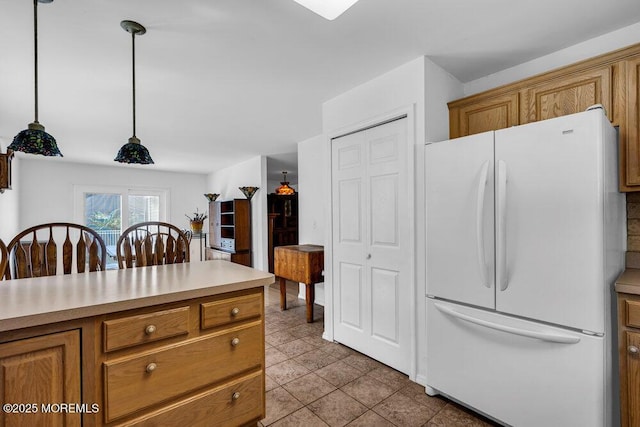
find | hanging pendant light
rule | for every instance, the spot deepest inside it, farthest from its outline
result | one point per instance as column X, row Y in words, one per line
column 34, row 139
column 134, row 151
column 284, row 189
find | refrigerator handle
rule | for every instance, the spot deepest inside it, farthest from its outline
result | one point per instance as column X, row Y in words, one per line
column 543, row 336
column 502, row 225
column 482, row 185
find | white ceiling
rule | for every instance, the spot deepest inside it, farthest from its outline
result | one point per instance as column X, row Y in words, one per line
column 221, row 81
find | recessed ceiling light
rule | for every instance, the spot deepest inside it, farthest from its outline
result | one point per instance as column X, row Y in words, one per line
column 328, row 9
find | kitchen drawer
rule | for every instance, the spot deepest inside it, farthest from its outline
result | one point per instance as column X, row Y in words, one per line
column 230, row 310
column 136, row 382
column 144, row 328
column 231, row 404
column 633, row 313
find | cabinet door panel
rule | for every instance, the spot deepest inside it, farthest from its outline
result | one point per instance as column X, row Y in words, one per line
column 490, row 114
column 41, row 370
column 568, row 95
column 633, row 380
column 633, row 123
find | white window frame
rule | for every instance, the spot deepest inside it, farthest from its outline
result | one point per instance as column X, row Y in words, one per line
column 79, row 192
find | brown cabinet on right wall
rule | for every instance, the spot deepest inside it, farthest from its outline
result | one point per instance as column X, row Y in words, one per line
column 610, row 79
column 633, row 122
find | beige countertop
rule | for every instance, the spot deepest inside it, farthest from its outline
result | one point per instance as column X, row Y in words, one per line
column 629, row 282
column 32, row 302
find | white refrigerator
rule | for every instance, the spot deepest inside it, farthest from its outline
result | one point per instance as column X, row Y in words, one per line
column 525, row 237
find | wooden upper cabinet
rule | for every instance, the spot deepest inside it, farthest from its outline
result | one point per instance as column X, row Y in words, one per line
column 483, row 115
column 630, row 151
column 568, row 95
column 612, row 79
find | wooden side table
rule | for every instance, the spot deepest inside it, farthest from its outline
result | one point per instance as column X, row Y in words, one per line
column 299, row 263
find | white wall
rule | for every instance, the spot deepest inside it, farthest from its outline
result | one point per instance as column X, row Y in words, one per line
column 581, row 51
column 399, row 88
column 440, row 87
column 46, row 188
column 9, row 205
column 312, row 199
column 252, row 172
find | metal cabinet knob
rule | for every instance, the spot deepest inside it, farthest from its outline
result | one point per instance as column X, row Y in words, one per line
column 235, row 311
column 235, row 341
column 633, row 349
column 235, row 396
column 151, row 367
column 368, row 256
column 150, row 329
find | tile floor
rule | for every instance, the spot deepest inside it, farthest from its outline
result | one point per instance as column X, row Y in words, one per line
column 313, row 382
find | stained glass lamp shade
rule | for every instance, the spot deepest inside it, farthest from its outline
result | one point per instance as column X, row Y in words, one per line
column 134, row 152
column 284, row 189
column 34, row 140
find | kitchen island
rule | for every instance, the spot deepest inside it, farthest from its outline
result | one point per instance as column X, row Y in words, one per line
column 163, row 345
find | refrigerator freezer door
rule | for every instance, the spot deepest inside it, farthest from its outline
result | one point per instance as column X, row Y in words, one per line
column 519, row 372
column 550, row 217
column 460, row 215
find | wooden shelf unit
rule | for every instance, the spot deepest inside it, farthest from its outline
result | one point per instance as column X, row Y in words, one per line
column 230, row 228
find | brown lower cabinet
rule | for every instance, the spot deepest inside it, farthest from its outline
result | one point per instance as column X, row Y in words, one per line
column 629, row 357
column 197, row 362
column 38, row 374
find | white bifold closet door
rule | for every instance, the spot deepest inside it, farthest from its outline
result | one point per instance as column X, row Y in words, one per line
column 370, row 237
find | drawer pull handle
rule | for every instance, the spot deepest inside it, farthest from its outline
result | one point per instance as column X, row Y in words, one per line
column 235, row 341
column 235, row 396
column 151, row 367
column 633, row 349
column 150, row 329
column 235, row 311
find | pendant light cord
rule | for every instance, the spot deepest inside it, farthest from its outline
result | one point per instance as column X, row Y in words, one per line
column 35, row 50
column 133, row 61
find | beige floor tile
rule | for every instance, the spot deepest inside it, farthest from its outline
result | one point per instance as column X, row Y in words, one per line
column 310, row 368
column 368, row 390
column 309, row 388
column 339, row 373
column 270, row 383
column 416, row 392
column 295, row 348
column 279, row 404
column 389, row 376
column 286, row 371
column 316, row 340
column 279, row 338
column 362, row 362
column 273, row 356
column 455, row 416
column 337, row 350
column 337, row 408
column 304, row 330
column 370, row 419
column 271, row 327
column 315, row 359
column 301, row 418
column 401, row 410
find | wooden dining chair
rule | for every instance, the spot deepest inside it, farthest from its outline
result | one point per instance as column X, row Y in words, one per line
column 35, row 253
column 152, row 243
column 4, row 259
